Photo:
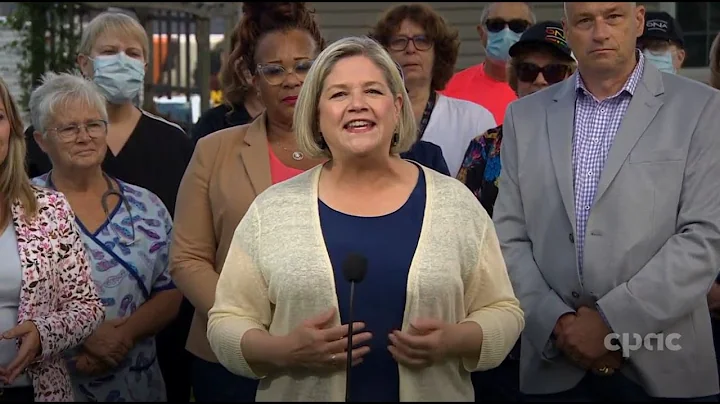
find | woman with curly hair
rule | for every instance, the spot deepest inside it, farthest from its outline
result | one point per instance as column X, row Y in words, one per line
column 426, row 48
column 278, row 43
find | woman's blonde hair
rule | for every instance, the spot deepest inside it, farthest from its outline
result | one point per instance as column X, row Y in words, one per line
column 306, row 120
column 119, row 24
column 715, row 63
column 14, row 181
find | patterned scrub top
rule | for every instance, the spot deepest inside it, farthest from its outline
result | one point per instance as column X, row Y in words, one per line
column 129, row 256
column 481, row 167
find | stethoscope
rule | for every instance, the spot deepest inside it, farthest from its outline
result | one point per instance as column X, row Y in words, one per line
column 104, row 202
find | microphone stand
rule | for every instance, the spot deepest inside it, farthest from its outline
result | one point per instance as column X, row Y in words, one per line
column 348, row 364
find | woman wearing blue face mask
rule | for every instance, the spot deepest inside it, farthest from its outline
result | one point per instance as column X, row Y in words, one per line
column 143, row 150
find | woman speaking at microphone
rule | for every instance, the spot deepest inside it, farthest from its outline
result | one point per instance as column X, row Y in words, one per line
column 436, row 302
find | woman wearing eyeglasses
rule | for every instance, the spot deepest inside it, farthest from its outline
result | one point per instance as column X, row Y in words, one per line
column 420, row 41
column 143, row 149
column 539, row 59
column 126, row 230
column 277, row 42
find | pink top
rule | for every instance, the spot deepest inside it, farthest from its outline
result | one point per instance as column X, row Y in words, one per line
column 279, row 172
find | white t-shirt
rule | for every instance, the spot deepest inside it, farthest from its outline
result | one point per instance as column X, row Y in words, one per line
column 453, row 124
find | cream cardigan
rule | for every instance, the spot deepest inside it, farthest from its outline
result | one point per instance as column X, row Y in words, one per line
column 278, row 274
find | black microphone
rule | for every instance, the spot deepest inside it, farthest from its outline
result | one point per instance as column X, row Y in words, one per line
column 354, row 269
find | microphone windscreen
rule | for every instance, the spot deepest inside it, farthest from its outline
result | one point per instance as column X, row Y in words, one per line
column 355, row 267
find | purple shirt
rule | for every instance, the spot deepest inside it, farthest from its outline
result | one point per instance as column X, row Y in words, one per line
column 596, row 123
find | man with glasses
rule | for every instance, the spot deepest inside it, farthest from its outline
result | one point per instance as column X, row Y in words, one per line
column 662, row 42
column 501, row 26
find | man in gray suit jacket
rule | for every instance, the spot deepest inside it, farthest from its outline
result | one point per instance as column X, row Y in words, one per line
column 609, row 219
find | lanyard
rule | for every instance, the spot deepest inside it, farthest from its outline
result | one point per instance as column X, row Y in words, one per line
column 426, row 114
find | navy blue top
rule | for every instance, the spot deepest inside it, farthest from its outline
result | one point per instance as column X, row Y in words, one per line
column 428, row 154
column 389, row 243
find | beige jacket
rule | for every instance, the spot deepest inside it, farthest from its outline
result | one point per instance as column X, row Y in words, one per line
column 228, row 170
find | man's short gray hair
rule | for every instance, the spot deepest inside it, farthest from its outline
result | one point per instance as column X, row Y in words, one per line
column 486, row 13
column 58, row 91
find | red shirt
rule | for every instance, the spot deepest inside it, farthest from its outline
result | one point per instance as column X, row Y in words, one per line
column 279, row 172
column 472, row 84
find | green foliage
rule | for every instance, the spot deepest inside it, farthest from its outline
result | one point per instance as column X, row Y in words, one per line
column 48, row 38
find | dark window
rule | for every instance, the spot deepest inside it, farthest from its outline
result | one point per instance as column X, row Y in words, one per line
column 700, row 23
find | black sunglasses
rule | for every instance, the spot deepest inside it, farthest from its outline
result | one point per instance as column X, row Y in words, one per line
column 553, row 73
column 517, row 25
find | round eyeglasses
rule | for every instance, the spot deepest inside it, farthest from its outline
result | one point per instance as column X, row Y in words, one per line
column 94, row 129
column 275, row 73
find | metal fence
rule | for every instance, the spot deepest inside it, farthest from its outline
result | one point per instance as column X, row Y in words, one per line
column 48, row 34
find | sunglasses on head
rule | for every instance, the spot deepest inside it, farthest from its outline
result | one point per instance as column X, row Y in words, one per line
column 553, row 73
column 517, row 25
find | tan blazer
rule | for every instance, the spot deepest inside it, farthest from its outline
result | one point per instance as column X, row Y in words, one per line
column 229, row 168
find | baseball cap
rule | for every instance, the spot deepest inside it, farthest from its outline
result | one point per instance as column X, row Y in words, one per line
column 549, row 34
column 661, row 25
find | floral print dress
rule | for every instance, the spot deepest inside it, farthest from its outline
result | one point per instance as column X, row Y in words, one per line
column 481, row 167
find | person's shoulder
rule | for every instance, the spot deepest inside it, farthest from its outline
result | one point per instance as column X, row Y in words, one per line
column 466, row 73
column 449, row 189
column 460, row 110
column 681, row 87
column 454, row 197
column 135, row 193
column 464, row 105
column 287, row 194
column 428, row 147
column 51, row 203
column 162, row 125
column 217, row 112
column 537, row 103
column 40, row 181
column 224, row 138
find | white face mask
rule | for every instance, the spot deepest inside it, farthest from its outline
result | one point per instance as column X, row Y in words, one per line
column 119, row 77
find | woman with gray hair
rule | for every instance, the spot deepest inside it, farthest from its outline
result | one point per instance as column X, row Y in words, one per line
column 125, row 228
column 435, row 302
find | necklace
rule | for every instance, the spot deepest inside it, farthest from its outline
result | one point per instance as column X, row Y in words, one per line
column 296, row 155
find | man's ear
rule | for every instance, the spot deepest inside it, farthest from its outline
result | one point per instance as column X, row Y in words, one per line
column 482, row 34
column 680, row 58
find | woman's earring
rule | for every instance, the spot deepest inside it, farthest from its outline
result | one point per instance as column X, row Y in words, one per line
column 322, row 143
column 395, row 139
